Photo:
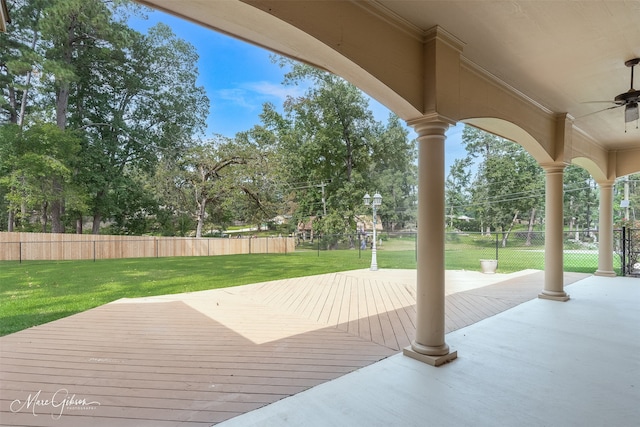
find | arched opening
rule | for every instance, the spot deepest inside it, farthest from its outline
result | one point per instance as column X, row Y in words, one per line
column 514, row 133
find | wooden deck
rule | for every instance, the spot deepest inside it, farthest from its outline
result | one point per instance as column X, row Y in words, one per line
column 201, row 358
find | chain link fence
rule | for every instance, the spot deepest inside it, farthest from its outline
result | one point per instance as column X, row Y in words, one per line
column 515, row 251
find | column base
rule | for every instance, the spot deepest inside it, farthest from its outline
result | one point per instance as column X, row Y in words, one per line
column 605, row 273
column 430, row 360
column 555, row 296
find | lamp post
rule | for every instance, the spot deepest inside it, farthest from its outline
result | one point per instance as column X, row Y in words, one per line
column 377, row 201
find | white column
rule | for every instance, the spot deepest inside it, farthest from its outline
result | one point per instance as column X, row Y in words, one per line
column 605, row 231
column 553, row 234
column 429, row 345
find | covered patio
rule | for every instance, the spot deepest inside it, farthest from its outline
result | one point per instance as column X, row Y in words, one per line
column 550, row 76
column 202, row 358
column 524, row 70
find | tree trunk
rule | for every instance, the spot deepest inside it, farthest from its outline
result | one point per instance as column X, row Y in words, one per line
column 57, row 207
column 451, row 218
column 56, row 217
column 202, row 205
column 95, row 227
column 23, row 215
column 11, row 220
column 43, row 217
column 13, row 111
column 25, row 93
column 505, row 236
column 532, row 218
column 79, row 225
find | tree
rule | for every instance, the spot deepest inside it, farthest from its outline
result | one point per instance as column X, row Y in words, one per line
column 132, row 97
column 261, row 180
column 580, row 199
column 335, row 150
column 508, row 183
column 149, row 109
column 73, row 30
column 206, row 168
column 457, row 197
column 20, row 60
column 39, row 160
column 394, row 172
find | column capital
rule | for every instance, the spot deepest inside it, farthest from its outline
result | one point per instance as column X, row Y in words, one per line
column 431, row 124
column 556, row 167
column 606, row 184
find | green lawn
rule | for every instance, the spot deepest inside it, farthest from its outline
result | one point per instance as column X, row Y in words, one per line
column 37, row 292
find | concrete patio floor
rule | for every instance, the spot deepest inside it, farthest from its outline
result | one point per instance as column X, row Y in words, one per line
column 202, row 358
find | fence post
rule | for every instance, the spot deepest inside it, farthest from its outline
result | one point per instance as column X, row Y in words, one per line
column 496, row 246
column 20, row 255
column 624, row 251
column 318, row 248
column 94, row 251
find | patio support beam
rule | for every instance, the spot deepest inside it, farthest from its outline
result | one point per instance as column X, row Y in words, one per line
column 553, row 234
column 429, row 345
column 605, row 231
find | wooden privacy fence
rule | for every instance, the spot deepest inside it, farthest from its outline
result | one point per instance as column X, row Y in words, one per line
column 45, row 246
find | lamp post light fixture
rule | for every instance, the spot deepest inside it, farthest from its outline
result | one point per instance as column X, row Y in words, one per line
column 377, row 201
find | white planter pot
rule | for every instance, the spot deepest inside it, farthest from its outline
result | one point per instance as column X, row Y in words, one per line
column 488, row 266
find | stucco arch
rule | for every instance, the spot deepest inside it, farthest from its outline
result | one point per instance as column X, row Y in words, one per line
column 514, row 133
column 590, row 166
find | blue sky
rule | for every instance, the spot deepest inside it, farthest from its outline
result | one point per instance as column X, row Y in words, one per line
column 239, row 78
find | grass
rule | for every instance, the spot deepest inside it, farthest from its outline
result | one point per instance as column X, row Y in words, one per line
column 37, row 292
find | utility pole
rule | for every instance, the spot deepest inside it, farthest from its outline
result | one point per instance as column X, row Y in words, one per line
column 324, row 202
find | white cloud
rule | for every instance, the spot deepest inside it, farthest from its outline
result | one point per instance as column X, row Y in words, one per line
column 236, row 96
column 273, row 90
column 252, row 95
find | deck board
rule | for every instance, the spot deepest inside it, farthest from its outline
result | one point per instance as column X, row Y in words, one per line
column 199, row 359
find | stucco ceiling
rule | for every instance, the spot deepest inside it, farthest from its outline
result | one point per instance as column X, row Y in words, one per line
column 562, row 54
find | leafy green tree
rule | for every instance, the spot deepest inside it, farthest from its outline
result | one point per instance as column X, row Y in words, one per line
column 457, row 191
column 394, row 172
column 133, row 97
column 260, row 182
column 329, row 140
column 335, row 151
column 20, row 60
column 580, row 199
column 40, row 159
column 72, row 31
column 151, row 110
column 207, row 169
column 508, row 185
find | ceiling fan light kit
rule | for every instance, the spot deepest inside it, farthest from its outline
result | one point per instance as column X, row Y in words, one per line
column 631, row 112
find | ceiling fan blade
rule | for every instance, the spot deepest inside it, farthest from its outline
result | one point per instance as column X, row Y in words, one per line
column 599, row 111
column 603, row 102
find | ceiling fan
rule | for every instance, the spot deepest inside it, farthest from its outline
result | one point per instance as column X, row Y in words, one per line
column 629, row 100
